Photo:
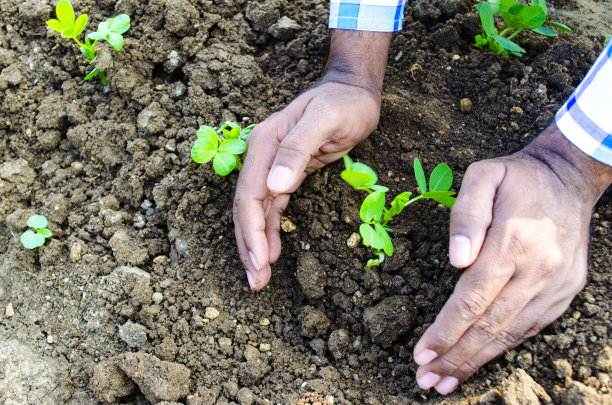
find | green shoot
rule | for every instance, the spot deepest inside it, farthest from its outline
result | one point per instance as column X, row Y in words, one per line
column 110, row 30
column 223, row 146
column 33, row 239
column 518, row 17
column 373, row 213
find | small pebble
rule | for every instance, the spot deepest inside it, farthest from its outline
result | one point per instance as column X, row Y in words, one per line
column 50, row 339
column 353, row 240
column 158, row 297
column 287, row 225
column 456, row 57
column 75, row 252
column 264, row 322
column 250, row 353
column 10, row 312
column 77, row 167
column 270, row 93
column 264, row 347
column 516, row 110
column 465, row 105
column 212, row 313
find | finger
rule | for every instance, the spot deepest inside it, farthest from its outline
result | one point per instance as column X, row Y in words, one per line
column 513, row 298
column 298, row 148
column 273, row 215
column 257, row 279
column 473, row 212
column 474, row 293
column 534, row 317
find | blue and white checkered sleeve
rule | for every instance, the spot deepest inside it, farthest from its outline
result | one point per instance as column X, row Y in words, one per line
column 367, row 15
column 586, row 117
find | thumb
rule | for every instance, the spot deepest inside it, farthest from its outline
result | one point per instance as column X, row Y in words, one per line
column 296, row 150
column 472, row 213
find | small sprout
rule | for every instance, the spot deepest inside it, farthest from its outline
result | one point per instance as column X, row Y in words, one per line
column 33, row 239
column 373, row 213
column 223, row 146
column 110, row 30
column 518, row 17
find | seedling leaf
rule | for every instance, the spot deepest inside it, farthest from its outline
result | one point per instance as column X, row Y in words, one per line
column 201, row 151
column 234, row 146
column 37, row 221
column 348, row 162
column 91, row 74
column 116, row 40
column 486, row 18
column 119, row 24
column 79, row 25
column 399, row 202
column 371, row 237
column 209, row 135
column 357, row 180
column 509, row 45
column 420, row 176
column 499, row 6
column 224, row 163
column 441, row 179
column 562, row 27
column 55, row 25
column 442, row 197
column 32, row 240
column 377, row 187
column 372, row 207
column 45, row 232
column 65, row 14
column 548, row 32
column 387, row 244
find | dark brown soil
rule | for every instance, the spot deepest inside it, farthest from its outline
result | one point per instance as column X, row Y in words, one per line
column 143, row 258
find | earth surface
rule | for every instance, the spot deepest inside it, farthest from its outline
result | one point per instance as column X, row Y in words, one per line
column 140, row 297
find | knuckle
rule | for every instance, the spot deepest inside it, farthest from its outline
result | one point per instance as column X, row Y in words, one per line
column 466, row 370
column 517, row 243
column 448, row 364
column 471, row 305
column 508, row 339
column 484, row 330
column 548, row 266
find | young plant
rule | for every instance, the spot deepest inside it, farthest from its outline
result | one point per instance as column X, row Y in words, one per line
column 32, row 239
column 111, row 30
column 375, row 215
column 223, row 146
column 517, row 17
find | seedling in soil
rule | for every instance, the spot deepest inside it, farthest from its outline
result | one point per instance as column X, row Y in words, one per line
column 31, row 239
column 223, row 146
column 375, row 216
column 518, row 18
column 111, row 30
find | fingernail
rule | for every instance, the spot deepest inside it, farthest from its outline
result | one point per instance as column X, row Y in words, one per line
column 252, row 282
column 459, row 251
column 254, row 260
column 279, row 178
column 425, row 357
column 428, row 380
column 447, row 385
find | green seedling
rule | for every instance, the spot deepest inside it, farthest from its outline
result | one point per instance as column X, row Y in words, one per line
column 111, row 30
column 33, row 239
column 223, row 146
column 518, row 17
column 373, row 212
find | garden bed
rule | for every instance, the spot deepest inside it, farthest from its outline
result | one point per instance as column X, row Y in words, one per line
column 111, row 170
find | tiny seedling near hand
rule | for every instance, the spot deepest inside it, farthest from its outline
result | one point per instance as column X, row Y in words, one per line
column 375, row 216
column 518, row 17
column 33, row 239
column 111, row 30
column 223, row 146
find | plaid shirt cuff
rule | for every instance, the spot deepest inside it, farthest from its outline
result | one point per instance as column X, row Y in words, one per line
column 586, row 117
column 367, row 15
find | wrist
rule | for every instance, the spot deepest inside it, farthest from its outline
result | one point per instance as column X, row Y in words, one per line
column 588, row 177
column 358, row 59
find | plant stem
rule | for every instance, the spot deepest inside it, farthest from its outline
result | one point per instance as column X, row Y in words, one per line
column 514, row 34
column 504, row 31
column 238, row 163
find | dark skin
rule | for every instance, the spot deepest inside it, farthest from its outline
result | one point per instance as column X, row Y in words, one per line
column 519, row 228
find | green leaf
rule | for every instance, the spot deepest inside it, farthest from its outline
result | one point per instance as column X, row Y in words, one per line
column 56, row 25
column 119, row 24
column 363, row 168
column 372, row 207
column 224, row 163
column 235, row 132
column 45, row 232
column 540, row 3
column 209, row 135
column 116, row 40
column 246, row 131
column 348, row 162
column 233, row 146
column 371, row 237
column 79, row 25
column 91, row 74
column 387, row 244
column 509, row 45
column 103, row 78
column 441, row 179
column 65, row 14
column 377, row 187
column 542, row 30
column 357, row 180
column 442, row 197
column 562, row 27
column 201, row 152
column 399, row 202
column 32, row 240
column 486, row 18
column 532, row 17
column 37, row 221
column 500, row 6
column 420, row 175
column 96, row 36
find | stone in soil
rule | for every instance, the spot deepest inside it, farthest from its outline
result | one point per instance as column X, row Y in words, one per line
column 128, row 250
column 314, row 322
column 311, row 276
column 108, row 382
column 389, row 319
column 135, row 335
column 521, row 389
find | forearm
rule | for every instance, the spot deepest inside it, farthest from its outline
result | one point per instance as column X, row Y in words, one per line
column 358, row 58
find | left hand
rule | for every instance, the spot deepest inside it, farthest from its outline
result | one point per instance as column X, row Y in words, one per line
column 520, row 226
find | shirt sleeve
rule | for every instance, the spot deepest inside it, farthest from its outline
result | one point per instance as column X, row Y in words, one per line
column 367, row 15
column 586, row 117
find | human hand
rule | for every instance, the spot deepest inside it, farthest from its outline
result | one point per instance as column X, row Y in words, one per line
column 317, row 128
column 520, row 226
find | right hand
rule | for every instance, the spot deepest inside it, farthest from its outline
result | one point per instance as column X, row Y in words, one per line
column 317, row 128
